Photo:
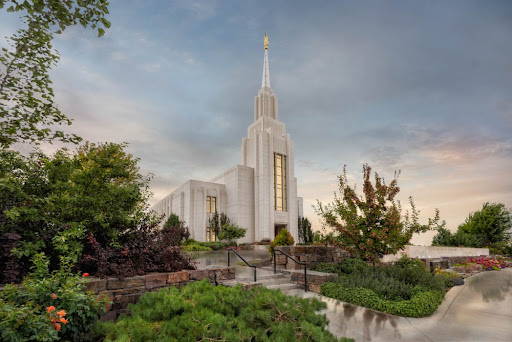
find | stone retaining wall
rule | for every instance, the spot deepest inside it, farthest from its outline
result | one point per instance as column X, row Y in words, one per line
column 433, row 252
column 309, row 255
column 315, row 279
column 128, row 290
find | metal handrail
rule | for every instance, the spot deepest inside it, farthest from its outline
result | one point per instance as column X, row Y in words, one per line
column 274, row 250
column 242, row 258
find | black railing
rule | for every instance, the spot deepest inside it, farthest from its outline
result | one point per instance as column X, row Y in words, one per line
column 241, row 258
column 274, row 251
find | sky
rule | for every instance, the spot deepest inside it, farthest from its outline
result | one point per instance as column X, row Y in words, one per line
column 424, row 87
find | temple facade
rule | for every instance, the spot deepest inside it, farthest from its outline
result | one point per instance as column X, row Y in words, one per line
column 259, row 194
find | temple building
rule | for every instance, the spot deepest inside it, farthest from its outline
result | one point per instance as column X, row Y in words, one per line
column 260, row 194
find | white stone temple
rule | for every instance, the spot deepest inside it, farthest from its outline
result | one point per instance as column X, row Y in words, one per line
column 260, row 194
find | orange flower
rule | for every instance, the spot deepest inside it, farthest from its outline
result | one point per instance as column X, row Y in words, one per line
column 54, row 296
column 57, row 326
column 63, row 320
column 61, row 313
column 50, row 309
column 85, row 275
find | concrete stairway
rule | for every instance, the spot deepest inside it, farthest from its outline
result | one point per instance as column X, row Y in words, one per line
column 265, row 277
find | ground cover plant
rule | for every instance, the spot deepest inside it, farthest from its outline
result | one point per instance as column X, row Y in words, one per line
column 203, row 312
column 405, row 288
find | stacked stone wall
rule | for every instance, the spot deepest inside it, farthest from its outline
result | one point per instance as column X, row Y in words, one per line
column 122, row 292
column 309, row 255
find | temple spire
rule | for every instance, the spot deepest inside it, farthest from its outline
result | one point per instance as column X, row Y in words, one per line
column 265, row 80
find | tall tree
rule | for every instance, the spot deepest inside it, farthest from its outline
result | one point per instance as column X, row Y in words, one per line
column 490, row 226
column 28, row 112
column 371, row 225
column 305, row 232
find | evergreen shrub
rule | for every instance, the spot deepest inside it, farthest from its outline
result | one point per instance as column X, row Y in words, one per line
column 203, row 312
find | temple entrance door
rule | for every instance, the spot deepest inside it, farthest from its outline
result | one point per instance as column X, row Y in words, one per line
column 278, row 227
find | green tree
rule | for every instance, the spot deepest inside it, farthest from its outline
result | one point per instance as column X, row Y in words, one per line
column 492, row 224
column 488, row 227
column 231, row 232
column 217, row 221
column 304, row 230
column 177, row 232
column 371, row 225
column 28, row 112
column 54, row 202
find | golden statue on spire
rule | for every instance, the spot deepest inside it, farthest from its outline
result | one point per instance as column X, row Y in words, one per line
column 265, row 41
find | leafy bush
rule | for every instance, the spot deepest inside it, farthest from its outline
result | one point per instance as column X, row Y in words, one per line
column 175, row 231
column 55, row 203
column 211, row 245
column 327, row 267
column 231, row 232
column 53, row 308
column 201, row 311
column 400, row 283
column 149, row 250
column 215, row 245
column 283, row 238
column 196, row 247
column 421, row 304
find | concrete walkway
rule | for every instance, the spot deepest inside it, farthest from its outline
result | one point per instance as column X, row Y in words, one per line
column 480, row 311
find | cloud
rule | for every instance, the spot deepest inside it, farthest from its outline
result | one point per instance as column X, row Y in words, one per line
column 413, row 86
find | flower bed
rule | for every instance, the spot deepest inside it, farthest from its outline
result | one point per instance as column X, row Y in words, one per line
column 489, row 263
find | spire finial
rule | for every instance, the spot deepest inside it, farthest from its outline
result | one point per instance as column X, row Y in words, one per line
column 265, row 41
column 265, row 81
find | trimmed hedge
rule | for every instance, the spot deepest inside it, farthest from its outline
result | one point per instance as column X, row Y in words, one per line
column 420, row 305
column 203, row 312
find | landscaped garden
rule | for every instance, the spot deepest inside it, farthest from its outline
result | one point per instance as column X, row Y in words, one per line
column 218, row 313
column 405, row 288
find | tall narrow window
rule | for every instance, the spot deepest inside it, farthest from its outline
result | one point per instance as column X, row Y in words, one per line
column 211, row 204
column 211, row 207
column 280, row 193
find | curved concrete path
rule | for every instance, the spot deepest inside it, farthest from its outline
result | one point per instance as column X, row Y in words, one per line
column 480, row 311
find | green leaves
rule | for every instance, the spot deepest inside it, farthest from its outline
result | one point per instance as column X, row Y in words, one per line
column 28, row 112
column 52, row 202
column 201, row 311
column 371, row 225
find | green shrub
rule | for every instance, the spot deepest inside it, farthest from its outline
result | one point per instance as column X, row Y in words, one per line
column 423, row 303
column 327, row 267
column 231, row 232
column 201, row 311
column 352, row 265
column 215, row 245
column 283, row 238
column 196, row 247
column 389, row 288
column 24, row 309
